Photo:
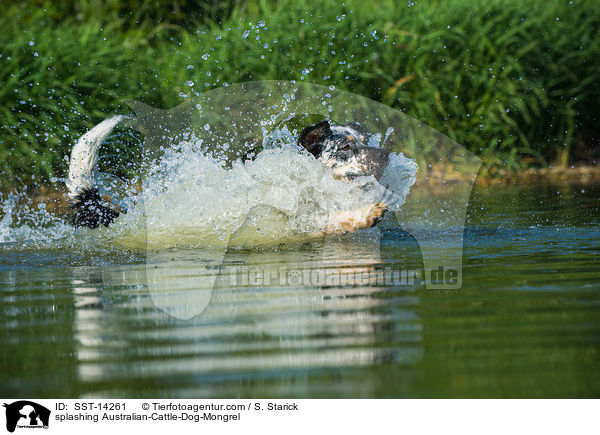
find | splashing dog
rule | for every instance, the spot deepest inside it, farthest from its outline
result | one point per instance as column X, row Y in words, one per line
column 341, row 148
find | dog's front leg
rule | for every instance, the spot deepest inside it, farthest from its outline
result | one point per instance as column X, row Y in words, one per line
column 352, row 220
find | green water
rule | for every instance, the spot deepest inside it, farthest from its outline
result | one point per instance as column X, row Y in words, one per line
column 526, row 322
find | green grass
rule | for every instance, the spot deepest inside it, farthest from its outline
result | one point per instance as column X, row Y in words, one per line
column 516, row 83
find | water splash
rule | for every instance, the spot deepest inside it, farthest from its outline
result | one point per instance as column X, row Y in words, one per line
column 26, row 225
column 191, row 200
column 283, row 195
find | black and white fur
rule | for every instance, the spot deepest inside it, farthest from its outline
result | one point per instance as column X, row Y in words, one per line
column 90, row 210
column 342, row 148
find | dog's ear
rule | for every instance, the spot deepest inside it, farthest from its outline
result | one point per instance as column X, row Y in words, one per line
column 312, row 137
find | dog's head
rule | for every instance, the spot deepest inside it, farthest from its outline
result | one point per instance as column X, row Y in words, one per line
column 344, row 149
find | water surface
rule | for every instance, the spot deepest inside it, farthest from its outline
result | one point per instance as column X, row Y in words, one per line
column 526, row 322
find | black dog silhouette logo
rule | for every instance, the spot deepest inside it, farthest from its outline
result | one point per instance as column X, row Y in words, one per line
column 26, row 414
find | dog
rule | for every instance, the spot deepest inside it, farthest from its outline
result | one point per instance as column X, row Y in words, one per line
column 343, row 148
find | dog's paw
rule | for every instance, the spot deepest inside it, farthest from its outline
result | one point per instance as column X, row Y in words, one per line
column 352, row 220
column 375, row 214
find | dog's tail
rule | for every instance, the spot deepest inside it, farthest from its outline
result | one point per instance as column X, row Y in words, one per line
column 89, row 209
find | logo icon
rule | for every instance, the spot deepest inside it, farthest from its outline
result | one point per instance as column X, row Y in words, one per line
column 26, row 414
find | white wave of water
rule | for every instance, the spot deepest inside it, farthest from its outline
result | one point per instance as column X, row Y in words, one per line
column 31, row 226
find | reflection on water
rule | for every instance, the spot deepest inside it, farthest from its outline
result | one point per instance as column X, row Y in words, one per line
column 266, row 320
column 320, row 320
column 247, row 330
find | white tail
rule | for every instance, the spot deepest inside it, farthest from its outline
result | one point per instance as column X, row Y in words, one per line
column 85, row 154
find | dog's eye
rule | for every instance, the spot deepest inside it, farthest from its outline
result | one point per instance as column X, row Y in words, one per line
column 345, row 147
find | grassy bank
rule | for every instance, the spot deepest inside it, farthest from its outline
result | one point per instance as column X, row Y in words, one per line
column 515, row 83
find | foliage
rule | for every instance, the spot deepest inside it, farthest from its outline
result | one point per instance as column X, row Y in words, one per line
column 516, row 83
